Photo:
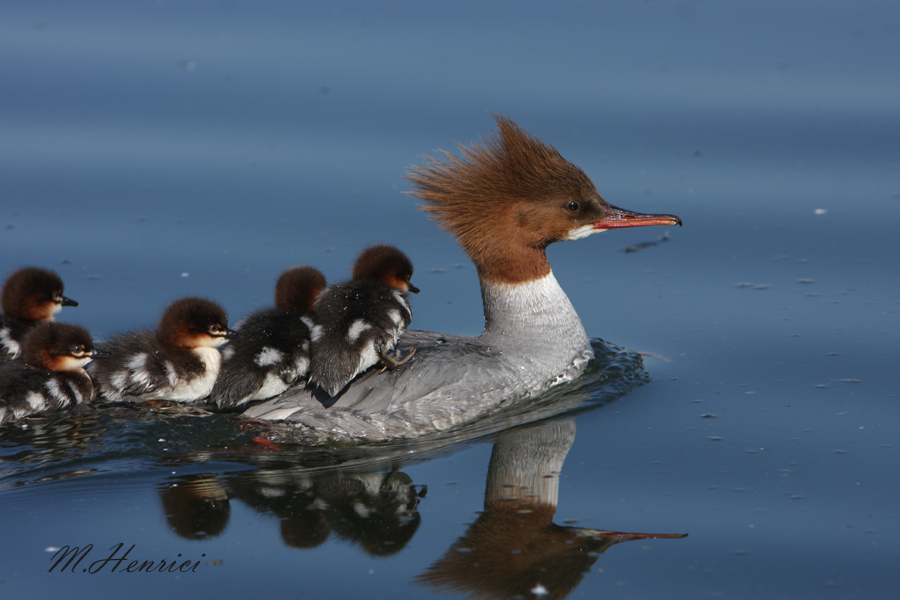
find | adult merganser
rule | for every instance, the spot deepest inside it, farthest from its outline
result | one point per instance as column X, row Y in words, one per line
column 505, row 200
column 50, row 375
column 358, row 322
column 30, row 296
column 270, row 351
column 180, row 361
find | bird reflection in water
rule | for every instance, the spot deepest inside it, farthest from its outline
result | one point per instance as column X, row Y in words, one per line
column 513, row 549
column 196, row 507
column 376, row 511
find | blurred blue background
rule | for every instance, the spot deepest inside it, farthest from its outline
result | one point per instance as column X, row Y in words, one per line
column 150, row 150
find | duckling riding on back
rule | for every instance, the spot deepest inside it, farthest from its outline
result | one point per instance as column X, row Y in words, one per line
column 359, row 322
column 505, row 200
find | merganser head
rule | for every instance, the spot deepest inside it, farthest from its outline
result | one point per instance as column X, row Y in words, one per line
column 387, row 265
column 194, row 322
column 34, row 294
column 298, row 288
column 509, row 197
column 59, row 347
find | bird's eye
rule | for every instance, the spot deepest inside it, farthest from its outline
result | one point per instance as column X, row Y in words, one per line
column 78, row 350
column 573, row 206
column 215, row 328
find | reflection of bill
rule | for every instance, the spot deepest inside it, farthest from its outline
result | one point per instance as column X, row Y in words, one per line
column 514, row 550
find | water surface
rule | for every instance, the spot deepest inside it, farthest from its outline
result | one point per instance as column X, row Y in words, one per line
column 154, row 150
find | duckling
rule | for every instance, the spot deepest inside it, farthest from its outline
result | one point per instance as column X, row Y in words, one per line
column 179, row 361
column 51, row 374
column 270, row 351
column 358, row 322
column 30, row 296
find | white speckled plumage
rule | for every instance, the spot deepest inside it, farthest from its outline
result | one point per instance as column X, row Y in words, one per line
column 454, row 379
column 49, row 376
column 180, row 361
column 358, row 322
column 270, row 351
column 505, row 200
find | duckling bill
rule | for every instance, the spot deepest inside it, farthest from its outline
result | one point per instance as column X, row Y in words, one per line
column 505, row 200
column 50, row 375
column 179, row 361
column 358, row 322
column 30, row 296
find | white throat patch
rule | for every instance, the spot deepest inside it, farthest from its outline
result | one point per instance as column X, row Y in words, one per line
column 581, row 232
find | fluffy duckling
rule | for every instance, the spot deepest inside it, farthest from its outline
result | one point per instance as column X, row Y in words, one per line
column 358, row 322
column 30, row 296
column 51, row 374
column 270, row 351
column 179, row 361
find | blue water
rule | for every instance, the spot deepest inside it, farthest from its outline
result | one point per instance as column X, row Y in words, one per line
column 151, row 150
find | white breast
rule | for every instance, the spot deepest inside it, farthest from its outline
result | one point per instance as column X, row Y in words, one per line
column 196, row 388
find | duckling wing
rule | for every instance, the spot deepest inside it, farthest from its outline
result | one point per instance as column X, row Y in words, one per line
column 138, row 388
column 25, row 390
column 271, row 344
column 133, row 368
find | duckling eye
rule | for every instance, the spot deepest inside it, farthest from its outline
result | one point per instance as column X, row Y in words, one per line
column 215, row 329
column 573, row 206
column 78, row 350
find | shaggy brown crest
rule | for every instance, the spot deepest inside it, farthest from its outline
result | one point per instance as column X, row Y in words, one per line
column 508, row 182
column 298, row 288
